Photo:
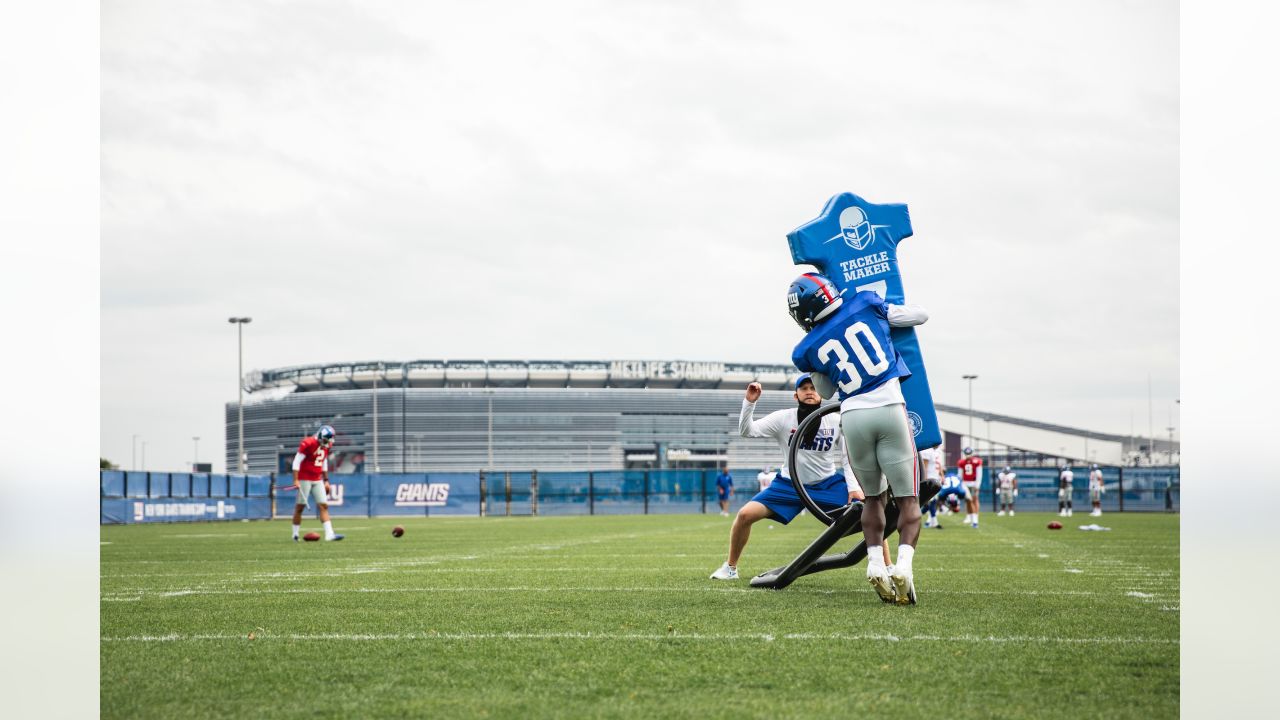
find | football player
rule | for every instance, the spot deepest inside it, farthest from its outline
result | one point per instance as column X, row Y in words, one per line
column 311, row 475
column 971, row 476
column 1007, row 484
column 848, row 349
column 821, row 461
column 1065, row 476
column 931, row 469
column 951, row 495
column 1096, row 489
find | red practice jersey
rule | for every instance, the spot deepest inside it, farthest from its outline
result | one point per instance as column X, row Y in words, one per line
column 969, row 468
column 313, row 459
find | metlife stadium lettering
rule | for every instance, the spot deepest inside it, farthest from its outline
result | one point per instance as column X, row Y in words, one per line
column 640, row 369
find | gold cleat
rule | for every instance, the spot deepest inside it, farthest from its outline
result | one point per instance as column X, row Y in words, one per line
column 904, row 589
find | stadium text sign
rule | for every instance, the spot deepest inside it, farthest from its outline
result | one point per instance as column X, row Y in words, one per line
column 145, row 511
column 422, row 495
column 640, row 369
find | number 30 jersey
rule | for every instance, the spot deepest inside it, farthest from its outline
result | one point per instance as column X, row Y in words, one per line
column 852, row 349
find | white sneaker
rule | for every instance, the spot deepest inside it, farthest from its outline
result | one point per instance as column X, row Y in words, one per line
column 1010, row 513
column 1000, row 514
column 881, row 583
column 726, row 572
column 1062, row 512
column 1068, row 512
column 904, row 588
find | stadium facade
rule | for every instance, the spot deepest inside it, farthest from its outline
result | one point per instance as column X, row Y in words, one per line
column 468, row 415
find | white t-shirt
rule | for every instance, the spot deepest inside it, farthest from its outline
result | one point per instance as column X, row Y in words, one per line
column 815, row 465
column 1065, row 478
column 932, row 459
column 1095, row 478
column 1004, row 480
column 764, row 478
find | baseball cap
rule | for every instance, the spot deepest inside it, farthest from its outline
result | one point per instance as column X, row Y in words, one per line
column 804, row 377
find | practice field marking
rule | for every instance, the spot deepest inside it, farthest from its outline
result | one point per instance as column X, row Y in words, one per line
column 626, row 637
column 135, row 595
column 206, row 535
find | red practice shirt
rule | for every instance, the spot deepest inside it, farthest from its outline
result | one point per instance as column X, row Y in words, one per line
column 313, row 457
column 969, row 468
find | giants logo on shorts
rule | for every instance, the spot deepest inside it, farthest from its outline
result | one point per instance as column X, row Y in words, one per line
column 335, row 494
column 916, row 423
column 422, row 495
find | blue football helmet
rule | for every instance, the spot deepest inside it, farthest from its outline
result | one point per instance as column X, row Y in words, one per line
column 325, row 435
column 811, row 298
column 968, row 451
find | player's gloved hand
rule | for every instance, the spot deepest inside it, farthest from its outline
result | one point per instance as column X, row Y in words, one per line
column 1015, row 492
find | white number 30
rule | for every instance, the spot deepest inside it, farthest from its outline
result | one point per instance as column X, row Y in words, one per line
column 871, row 369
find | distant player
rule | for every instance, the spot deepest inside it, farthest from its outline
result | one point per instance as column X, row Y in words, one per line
column 1096, row 489
column 1007, row 485
column 952, row 494
column 311, row 475
column 931, row 469
column 764, row 477
column 971, row 476
column 821, row 459
column 1065, row 476
column 724, row 490
column 848, row 349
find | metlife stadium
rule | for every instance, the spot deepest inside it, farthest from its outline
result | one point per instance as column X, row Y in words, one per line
column 470, row 415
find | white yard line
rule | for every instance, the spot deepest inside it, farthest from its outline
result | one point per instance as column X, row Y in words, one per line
column 135, row 594
column 629, row 637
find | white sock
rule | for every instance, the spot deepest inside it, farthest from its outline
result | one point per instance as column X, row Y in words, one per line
column 328, row 528
column 905, row 553
column 875, row 557
column 296, row 530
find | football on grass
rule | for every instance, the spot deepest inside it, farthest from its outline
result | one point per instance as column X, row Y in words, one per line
column 311, row 536
column 1055, row 525
column 397, row 531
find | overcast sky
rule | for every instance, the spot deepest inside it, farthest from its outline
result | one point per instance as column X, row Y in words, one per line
column 616, row 180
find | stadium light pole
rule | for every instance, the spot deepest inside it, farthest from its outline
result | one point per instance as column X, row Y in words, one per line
column 133, row 464
column 240, row 322
column 144, row 455
column 970, row 378
column 376, row 466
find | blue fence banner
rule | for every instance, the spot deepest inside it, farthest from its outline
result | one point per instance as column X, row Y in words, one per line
column 135, row 484
column 149, row 510
column 111, row 483
column 133, row 497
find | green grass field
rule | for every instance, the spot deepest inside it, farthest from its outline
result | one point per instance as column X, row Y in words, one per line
column 615, row 617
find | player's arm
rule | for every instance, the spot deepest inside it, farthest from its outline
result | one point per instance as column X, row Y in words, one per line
column 823, row 385
column 906, row 315
column 748, row 426
column 850, row 480
column 297, row 465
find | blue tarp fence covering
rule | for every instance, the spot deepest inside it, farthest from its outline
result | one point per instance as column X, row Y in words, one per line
column 145, row 497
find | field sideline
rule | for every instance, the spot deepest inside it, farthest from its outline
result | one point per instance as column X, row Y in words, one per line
column 615, row 617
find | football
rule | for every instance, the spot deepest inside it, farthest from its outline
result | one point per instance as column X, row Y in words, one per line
column 311, row 536
column 397, row 531
column 1055, row 525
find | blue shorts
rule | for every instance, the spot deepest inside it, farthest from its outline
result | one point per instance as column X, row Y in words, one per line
column 781, row 498
column 722, row 493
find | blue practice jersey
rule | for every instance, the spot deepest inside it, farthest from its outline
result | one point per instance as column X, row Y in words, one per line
column 852, row 347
